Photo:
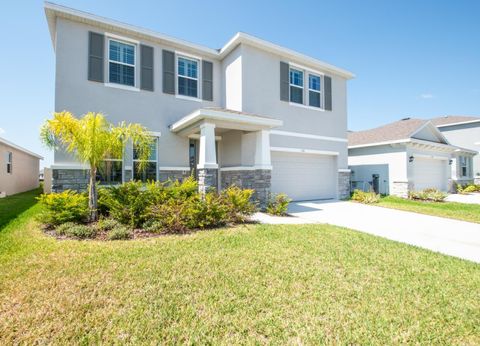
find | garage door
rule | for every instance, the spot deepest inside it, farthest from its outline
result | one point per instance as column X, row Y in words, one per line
column 304, row 176
column 429, row 173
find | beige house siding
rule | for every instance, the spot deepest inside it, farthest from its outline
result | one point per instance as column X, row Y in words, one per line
column 25, row 170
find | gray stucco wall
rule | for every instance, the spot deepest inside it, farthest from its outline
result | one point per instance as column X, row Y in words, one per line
column 155, row 110
column 465, row 136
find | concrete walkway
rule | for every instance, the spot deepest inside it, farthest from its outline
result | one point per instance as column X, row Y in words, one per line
column 450, row 237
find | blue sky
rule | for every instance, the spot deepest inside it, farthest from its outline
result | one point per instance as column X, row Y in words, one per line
column 411, row 58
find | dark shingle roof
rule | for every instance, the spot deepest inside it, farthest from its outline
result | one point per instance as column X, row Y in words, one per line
column 452, row 119
column 401, row 129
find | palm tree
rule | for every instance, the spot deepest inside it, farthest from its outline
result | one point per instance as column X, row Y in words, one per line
column 92, row 139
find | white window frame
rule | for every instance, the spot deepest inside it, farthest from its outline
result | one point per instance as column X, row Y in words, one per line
column 114, row 38
column 177, row 75
column 156, row 159
column 290, row 84
column 322, row 102
column 306, row 72
column 9, row 160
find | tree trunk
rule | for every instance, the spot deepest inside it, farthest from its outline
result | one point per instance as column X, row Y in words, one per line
column 92, row 195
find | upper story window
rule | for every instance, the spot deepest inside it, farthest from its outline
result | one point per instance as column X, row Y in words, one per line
column 296, row 86
column 121, row 63
column 149, row 173
column 9, row 160
column 187, row 77
column 314, row 91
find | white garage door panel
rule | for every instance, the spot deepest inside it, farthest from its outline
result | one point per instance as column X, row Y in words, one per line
column 429, row 173
column 304, row 176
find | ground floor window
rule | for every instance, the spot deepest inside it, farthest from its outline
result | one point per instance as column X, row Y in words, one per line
column 464, row 166
column 9, row 160
column 149, row 171
column 110, row 172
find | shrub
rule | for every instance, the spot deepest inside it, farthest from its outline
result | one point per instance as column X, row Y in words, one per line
column 239, row 203
column 63, row 207
column 119, row 233
column 469, row 188
column 278, row 204
column 80, row 231
column 153, row 226
column 430, row 194
column 107, row 224
column 365, row 197
column 64, row 227
column 126, row 203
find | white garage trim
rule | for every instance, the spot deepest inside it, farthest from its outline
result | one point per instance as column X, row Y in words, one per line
column 430, row 157
column 307, row 135
column 305, row 151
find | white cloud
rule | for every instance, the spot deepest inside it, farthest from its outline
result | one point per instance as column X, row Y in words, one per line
column 427, row 96
column 2, row 131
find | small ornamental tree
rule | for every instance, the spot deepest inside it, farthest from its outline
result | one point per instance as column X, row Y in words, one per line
column 92, row 139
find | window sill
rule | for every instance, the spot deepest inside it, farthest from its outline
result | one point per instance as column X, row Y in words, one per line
column 182, row 97
column 121, row 86
column 307, row 107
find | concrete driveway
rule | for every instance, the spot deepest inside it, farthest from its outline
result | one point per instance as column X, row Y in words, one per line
column 450, row 237
column 472, row 198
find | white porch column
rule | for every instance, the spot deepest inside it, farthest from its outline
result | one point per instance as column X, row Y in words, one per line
column 262, row 150
column 207, row 155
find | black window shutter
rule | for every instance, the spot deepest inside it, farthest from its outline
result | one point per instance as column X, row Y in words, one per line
column 328, row 93
column 168, row 65
column 146, row 68
column 284, row 81
column 207, row 80
column 96, row 48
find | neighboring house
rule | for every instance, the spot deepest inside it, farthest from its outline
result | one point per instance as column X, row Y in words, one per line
column 252, row 113
column 463, row 131
column 410, row 154
column 19, row 169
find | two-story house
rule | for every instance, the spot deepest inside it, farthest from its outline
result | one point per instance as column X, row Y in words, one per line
column 252, row 113
column 463, row 131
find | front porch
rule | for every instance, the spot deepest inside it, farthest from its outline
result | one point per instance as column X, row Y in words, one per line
column 229, row 147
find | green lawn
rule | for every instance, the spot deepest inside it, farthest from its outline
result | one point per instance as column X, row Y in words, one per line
column 252, row 285
column 11, row 206
column 452, row 210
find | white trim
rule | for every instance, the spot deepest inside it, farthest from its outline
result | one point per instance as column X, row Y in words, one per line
column 211, row 114
column 307, row 135
column 244, row 168
column 121, row 86
column 173, row 168
column 460, row 123
column 197, row 136
column 122, row 38
column 188, row 55
column 53, row 11
column 155, row 133
column 69, row 166
column 208, row 166
column 305, row 151
column 198, row 79
column 307, row 107
column 19, row 148
column 434, row 129
column 434, row 157
column 398, row 141
column 189, row 98
column 344, row 170
column 133, row 87
column 308, row 69
column 128, row 168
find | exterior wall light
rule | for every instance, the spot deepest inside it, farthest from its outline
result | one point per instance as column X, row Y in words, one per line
column 411, row 158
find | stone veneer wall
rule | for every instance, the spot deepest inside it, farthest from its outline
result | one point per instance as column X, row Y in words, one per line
column 207, row 179
column 257, row 179
column 70, row 179
column 400, row 188
column 173, row 175
column 344, row 185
